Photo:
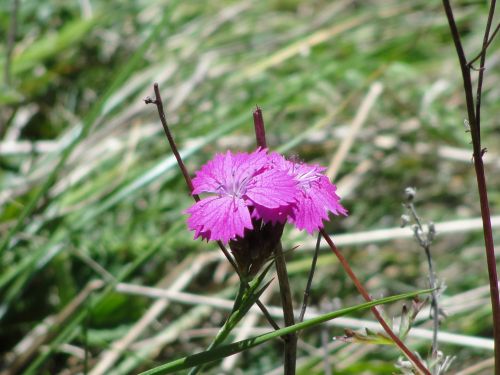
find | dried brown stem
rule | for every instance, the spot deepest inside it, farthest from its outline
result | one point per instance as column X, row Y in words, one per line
column 473, row 112
column 260, row 131
column 485, row 46
column 173, row 146
column 361, row 289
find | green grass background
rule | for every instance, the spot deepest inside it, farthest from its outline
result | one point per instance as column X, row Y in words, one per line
column 85, row 165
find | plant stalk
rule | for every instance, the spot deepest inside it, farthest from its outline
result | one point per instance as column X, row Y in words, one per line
column 290, row 342
column 473, row 114
column 361, row 289
column 260, row 131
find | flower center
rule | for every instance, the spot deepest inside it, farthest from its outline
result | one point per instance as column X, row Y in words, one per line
column 235, row 187
column 306, row 178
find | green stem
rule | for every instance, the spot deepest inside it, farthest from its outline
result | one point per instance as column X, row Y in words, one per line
column 290, row 342
column 226, row 328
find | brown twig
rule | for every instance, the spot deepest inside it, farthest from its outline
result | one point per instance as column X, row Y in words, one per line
column 361, row 289
column 173, row 146
column 159, row 105
column 260, row 131
column 474, row 119
column 479, row 88
column 485, row 46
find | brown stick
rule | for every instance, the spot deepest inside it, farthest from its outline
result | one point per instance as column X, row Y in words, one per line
column 474, row 118
column 260, row 131
column 361, row 289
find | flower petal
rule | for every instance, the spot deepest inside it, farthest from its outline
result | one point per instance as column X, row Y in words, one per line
column 272, row 188
column 326, row 191
column 210, row 177
column 219, row 218
column 313, row 205
column 228, row 169
column 307, row 214
column 272, row 215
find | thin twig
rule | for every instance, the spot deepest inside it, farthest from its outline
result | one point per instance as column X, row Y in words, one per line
column 479, row 88
column 175, row 151
column 463, row 67
column 361, row 289
column 485, row 46
column 309, row 279
column 290, row 341
column 474, row 122
column 260, row 131
column 189, row 183
column 434, row 303
column 286, row 301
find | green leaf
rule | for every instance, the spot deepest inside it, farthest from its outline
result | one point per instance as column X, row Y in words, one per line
column 245, row 299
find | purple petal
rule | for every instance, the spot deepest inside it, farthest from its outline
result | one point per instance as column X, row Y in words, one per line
column 272, row 189
column 272, row 215
column 308, row 214
column 219, row 218
column 326, row 191
column 228, row 170
column 313, row 205
column 207, row 178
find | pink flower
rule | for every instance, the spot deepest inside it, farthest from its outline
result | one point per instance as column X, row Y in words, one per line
column 240, row 183
column 316, row 198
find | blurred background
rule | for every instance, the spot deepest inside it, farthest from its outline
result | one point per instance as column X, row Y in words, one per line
column 91, row 200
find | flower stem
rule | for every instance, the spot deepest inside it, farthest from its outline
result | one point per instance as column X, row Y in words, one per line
column 473, row 114
column 161, row 113
column 260, row 131
column 173, row 146
column 361, row 289
column 290, row 341
column 310, row 279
